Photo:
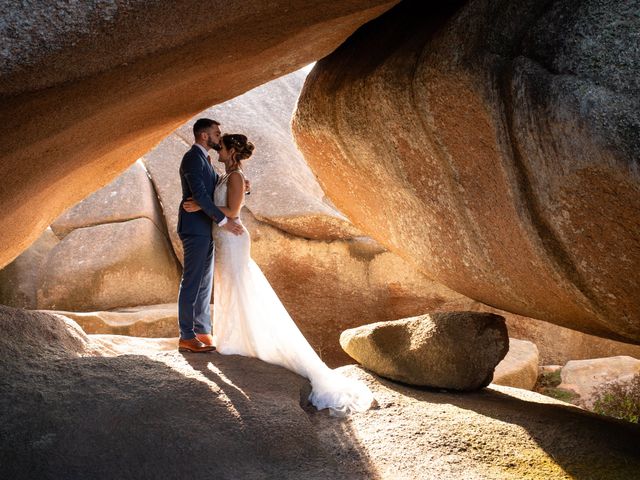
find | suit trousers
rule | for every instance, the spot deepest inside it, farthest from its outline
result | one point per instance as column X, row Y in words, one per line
column 194, row 310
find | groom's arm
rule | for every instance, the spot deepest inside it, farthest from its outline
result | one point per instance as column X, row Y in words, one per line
column 192, row 170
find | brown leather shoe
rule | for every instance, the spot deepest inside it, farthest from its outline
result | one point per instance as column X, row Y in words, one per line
column 194, row 345
column 205, row 338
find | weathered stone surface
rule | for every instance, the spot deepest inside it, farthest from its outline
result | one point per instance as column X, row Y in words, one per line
column 112, row 345
column 143, row 321
column 519, row 368
column 20, row 279
column 109, row 266
column 582, row 376
column 403, row 291
column 88, row 88
column 556, row 345
column 453, row 350
column 122, row 405
column 284, row 193
column 503, row 140
column 163, row 164
column 328, row 287
column 129, row 196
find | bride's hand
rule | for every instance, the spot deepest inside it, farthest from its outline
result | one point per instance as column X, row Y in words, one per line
column 190, row 205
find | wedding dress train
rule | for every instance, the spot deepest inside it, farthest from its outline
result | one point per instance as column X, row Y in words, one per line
column 250, row 320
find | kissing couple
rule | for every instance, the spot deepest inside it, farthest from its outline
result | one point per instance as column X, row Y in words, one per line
column 248, row 317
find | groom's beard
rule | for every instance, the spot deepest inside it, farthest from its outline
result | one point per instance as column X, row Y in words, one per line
column 215, row 146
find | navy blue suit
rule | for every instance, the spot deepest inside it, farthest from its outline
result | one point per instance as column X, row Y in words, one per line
column 198, row 180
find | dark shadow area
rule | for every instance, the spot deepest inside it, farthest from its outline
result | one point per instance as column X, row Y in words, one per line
column 585, row 445
column 134, row 417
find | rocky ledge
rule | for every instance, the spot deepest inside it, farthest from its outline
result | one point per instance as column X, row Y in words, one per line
column 71, row 406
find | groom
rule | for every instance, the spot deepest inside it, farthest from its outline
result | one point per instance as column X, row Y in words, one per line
column 198, row 180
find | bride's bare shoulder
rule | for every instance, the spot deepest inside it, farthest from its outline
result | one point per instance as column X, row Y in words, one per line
column 235, row 180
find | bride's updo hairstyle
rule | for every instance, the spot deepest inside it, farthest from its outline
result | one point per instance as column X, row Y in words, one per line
column 239, row 142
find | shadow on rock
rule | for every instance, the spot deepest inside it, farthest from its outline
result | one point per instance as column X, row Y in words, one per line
column 171, row 416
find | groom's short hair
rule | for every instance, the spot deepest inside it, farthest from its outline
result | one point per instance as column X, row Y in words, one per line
column 203, row 124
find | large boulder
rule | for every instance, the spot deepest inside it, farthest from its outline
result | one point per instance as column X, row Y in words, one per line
column 87, row 88
column 519, row 368
column 453, row 350
column 126, row 394
column 109, row 266
column 20, row 279
column 496, row 149
column 129, row 196
column 584, row 376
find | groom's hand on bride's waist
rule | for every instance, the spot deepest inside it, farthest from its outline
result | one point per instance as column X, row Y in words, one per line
column 233, row 226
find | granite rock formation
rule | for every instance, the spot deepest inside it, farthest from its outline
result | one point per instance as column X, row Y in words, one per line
column 89, row 87
column 496, row 147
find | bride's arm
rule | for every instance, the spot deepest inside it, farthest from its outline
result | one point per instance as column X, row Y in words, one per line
column 235, row 194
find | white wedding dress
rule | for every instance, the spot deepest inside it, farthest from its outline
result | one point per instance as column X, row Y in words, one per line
column 250, row 320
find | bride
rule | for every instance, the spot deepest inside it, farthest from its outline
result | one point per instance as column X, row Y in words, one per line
column 248, row 317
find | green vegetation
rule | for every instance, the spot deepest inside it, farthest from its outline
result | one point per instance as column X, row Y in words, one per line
column 619, row 399
column 548, row 385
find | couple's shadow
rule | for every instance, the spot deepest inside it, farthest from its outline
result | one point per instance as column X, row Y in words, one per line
column 251, row 385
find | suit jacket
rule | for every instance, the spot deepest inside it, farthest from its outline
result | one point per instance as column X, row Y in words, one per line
column 198, row 180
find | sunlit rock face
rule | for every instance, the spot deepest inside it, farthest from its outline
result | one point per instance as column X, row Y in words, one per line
column 89, row 88
column 128, row 197
column 326, row 273
column 110, row 265
column 519, row 368
column 496, row 147
column 284, row 193
column 110, row 250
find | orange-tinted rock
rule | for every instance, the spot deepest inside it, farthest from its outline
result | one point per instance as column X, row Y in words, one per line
column 128, row 197
column 556, row 345
column 453, row 350
column 585, row 376
column 20, row 279
column 87, row 90
column 145, row 321
column 519, row 368
column 284, row 193
column 328, row 287
column 496, row 148
column 109, row 266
